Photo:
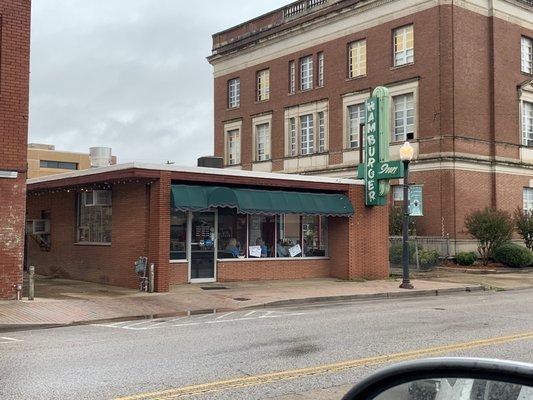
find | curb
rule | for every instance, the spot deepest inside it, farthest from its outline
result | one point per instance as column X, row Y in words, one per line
column 371, row 296
column 501, row 271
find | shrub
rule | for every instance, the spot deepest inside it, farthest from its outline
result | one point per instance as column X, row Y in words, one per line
column 492, row 228
column 466, row 258
column 396, row 253
column 428, row 258
column 523, row 220
column 514, row 256
column 396, row 222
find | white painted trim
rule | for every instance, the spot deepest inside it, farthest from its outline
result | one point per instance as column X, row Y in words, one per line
column 358, row 18
column 304, row 109
column 179, row 261
column 262, row 119
column 193, row 170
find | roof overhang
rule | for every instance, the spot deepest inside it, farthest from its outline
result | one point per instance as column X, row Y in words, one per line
column 149, row 172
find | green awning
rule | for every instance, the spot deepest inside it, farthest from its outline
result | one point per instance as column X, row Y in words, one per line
column 250, row 201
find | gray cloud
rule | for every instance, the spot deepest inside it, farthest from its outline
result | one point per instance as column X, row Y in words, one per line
column 130, row 74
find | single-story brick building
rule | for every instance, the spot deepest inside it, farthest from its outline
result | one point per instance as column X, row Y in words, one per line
column 202, row 225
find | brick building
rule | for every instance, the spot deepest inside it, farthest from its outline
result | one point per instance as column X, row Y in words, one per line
column 289, row 87
column 202, row 225
column 14, row 85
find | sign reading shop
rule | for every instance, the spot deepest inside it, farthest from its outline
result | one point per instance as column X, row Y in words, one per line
column 377, row 169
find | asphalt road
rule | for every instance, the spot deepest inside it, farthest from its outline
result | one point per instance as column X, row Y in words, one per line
column 260, row 354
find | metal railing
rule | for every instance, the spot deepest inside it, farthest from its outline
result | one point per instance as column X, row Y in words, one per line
column 418, row 243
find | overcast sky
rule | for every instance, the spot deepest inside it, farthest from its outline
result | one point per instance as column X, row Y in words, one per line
column 129, row 74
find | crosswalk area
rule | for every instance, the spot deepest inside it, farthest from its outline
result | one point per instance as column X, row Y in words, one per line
column 212, row 318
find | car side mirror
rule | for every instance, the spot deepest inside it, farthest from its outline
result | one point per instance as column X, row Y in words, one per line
column 448, row 379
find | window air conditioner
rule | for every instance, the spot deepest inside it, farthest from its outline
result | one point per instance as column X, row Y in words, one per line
column 38, row 226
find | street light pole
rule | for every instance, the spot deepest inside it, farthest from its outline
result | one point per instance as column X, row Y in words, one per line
column 406, row 155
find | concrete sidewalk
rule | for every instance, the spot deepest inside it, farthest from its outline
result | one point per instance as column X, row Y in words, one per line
column 61, row 301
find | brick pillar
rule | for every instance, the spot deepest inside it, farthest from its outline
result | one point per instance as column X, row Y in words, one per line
column 12, row 216
column 368, row 253
column 159, row 231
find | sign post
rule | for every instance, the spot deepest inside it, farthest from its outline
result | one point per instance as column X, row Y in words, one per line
column 377, row 169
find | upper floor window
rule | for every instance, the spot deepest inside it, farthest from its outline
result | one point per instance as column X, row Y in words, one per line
column 528, row 199
column 355, row 117
column 307, row 133
column 292, row 76
column 404, row 117
column 234, row 93
column 404, row 50
column 94, row 216
column 527, row 123
column 357, row 58
column 320, row 78
column 233, row 145
column 306, row 73
column 306, row 129
column 263, row 85
column 262, row 142
column 527, row 55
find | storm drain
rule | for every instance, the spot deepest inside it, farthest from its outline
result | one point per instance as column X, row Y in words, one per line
column 240, row 298
column 213, row 287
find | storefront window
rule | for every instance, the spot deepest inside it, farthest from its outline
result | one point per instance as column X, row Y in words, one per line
column 289, row 236
column 315, row 236
column 94, row 216
column 231, row 234
column 178, row 235
column 262, row 236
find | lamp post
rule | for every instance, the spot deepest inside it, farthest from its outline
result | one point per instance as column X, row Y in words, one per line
column 406, row 155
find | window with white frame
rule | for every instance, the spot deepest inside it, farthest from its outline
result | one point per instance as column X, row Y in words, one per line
column 306, row 73
column 292, row 76
column 527, row 55
column 293, row 137
column 94, row 216
column 233, row 143
column 404, row 50
column 263, row 85
column 527, row 123
column 404, row 117
column 306, row 129
column 397, row 193
column 528, row 199
column 321, row 132
column 320, row 78
column 355, row 116
column 234, row 93
column 262, row 142
column 357, row 58
column 307, row 138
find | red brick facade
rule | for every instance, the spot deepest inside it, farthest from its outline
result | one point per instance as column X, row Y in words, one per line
column 468, row 76
column 141, row 227
column 14, row 84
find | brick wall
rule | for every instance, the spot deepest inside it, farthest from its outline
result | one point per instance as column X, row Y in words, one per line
column 358, row 245
column 108, row 264
column 14, row 84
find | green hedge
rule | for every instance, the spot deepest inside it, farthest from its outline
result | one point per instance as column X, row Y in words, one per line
column 426, row 258
column 466, row 258
column 514, row 256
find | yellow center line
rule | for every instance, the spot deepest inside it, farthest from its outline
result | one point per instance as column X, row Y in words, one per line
column 321, row 369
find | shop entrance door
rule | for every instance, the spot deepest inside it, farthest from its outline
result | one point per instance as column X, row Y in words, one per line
column 203, row 247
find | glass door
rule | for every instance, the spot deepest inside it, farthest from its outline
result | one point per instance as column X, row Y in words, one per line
column 203, row 246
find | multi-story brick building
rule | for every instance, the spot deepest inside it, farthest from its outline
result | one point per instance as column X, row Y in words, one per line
column 290, row 84
column 14, row 85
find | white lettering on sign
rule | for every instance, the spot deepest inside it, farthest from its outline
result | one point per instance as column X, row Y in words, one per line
column 386, row 169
